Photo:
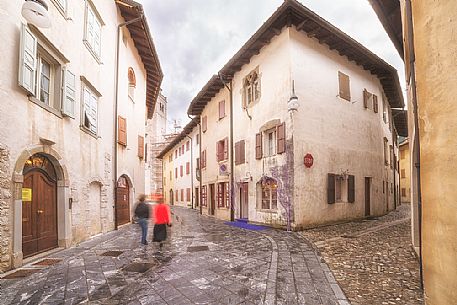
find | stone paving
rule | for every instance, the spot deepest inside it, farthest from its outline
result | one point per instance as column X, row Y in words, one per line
column 204, row 262
column 372, row 260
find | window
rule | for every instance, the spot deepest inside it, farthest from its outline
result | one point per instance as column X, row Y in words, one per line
column 204, row 123
column 370, row 101
column 132, row 84
column 170, row 157
column 176, row 172
column 176, row 154
column 386, row 153
column 384, row 110
column 188, row 194
column 181, row 170
column 171, row 175
column 221, row 109
column 345, row 90
column 204, row 196
column 402, row 154
column 222, row 150
column 182, row 194
column 391, row 148
column 162, row 107
column 92, row 35
column 177, row 195
column 187, row 145
column 403, row 192
column 240, row 152
column 187, row 168
column 197, row 139
column 340, row 188
column 270, row 143
column 268, row 194
column 89, row 112
column 140, row 147
column 223, row 197
column 203, row 159
column 251, row 88
column 403, row 173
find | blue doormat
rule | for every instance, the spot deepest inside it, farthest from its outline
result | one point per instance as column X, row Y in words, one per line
column 244, row 225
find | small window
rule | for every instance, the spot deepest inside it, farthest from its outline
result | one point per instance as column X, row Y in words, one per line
column 92, row 35
column 90, row 111
column 187, row 168
column 132, row 84
column 269, row 148
column 221, row 109
column 386, row 153
column 204, row 124
column 268, row 189
column 187, row 145
column 251, row 88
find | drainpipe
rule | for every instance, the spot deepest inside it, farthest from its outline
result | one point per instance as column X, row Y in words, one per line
column 232, row 164
column 412, row 60
column 116, row 102
column 200, row 168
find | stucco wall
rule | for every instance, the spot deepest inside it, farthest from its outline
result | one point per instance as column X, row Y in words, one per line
column 86, row 158
column 341, row 135
column 405, row 166
column 435, row 42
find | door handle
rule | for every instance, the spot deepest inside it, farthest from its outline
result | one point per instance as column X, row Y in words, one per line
column 40, row 211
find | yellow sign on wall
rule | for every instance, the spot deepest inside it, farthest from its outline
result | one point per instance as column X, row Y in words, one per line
column 26, row 194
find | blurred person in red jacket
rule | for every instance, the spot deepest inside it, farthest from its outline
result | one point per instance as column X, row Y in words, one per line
column 162, row 219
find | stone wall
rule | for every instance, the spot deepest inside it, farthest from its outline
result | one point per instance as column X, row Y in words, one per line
column 5, row 211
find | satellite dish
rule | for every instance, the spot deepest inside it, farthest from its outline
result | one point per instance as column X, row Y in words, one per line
column 36, row 13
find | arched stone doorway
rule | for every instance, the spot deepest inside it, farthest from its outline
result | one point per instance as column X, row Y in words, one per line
column 39, row 206
column 40, row 167
column 122, row 208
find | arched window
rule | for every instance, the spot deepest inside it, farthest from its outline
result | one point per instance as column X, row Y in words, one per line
column 132, row 83
column 251, row 88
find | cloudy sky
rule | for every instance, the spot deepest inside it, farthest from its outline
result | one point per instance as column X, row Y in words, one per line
column 195, row 38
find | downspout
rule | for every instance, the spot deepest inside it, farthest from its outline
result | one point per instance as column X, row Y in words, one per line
column 232, row 164
column 200, row 168
column 116, row 102
column 412, row 60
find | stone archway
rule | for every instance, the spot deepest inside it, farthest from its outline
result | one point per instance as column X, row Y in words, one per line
column 62, row 199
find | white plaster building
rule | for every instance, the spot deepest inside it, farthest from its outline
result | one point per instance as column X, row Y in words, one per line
column 343, row 128
column 180, row 165
column 77, row 111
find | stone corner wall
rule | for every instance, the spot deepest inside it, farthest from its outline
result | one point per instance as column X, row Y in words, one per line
column 5, row 209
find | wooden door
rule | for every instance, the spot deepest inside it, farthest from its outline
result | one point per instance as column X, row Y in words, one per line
column 244, row 200
column 197, row 197
column 39, row 216
column 212, row 201
column 122, row 202
column 367, row 196
column 171, row 197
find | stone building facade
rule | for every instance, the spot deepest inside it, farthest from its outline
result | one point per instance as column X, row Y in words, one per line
column 73, row 115
column 313, row 139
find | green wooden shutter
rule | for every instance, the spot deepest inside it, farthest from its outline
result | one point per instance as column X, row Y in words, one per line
column 27, row 60
column 331, row 189
column 69, row 94
column 351, row 189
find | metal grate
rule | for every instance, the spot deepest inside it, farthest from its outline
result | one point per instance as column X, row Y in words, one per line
column 47, row 262
column 139, row 267
column 21, row 273
column 113, row 253
column 197, row 248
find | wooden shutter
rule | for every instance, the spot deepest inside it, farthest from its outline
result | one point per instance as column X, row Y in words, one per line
column 258, row 146
column 218, row 151
column 140, row 147
column 28, row 60
column 122, row 131
column 331, row 189
column 69, row 94
column 187, row 168
column 242, row 152
column 204, row 124
column 188, row 194
column 345, row 91
column 281, row 138
column 221, row 109
column 365, row 98
column 204, row 159
column 351, row 189
column 182, row 194
column 237, row 153
column 375, row 103
column 176, row 195
column 176, row 172
column 225, row 151
column 181, row 171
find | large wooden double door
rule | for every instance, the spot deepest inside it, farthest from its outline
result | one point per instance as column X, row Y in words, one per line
column 39, row 216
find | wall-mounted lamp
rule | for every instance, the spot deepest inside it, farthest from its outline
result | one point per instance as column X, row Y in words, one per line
column 292, row 104
column 36, row 13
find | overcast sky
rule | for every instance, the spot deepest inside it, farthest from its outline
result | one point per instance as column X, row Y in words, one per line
column 195, row 38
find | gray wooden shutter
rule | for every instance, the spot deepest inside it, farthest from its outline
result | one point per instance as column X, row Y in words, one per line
column 27, row 60
column 345, row 91
column 375, row 103
column 258, row 146
column 351, row 189
column 237, row 153
column 242, row 152
column 225, row 152
column 69, row 94
column 281, row 138
column 331, row 189
column 365, row 98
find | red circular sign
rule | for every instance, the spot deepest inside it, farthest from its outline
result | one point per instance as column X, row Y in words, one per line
column 309, row 160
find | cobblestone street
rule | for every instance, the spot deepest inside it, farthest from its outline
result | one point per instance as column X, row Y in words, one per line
column 372, row 260
column 205, row 262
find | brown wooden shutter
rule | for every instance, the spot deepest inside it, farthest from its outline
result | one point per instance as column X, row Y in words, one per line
column 345, row 91
column 204, row 123
column 140, row 147
column 204, row 159
column 181, row 170
column 187, row 168
column 188, row 194
column 218, row 151
column 242, row 152
column 237, row 153
column 258, row 146
column 331, row 189
column 375, row 103
column 281, row 138
column 365, row 98
column 225, row 151
column 351, row 189
column 221, row 109
column 122, row 131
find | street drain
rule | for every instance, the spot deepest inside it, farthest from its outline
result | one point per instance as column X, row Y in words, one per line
column 20, row 274
column 139, row 267
column 197, row 248
column 348, row 236
column 112, row 253
column 47, row 262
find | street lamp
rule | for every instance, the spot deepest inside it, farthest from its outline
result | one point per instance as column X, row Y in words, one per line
column 36, row 13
